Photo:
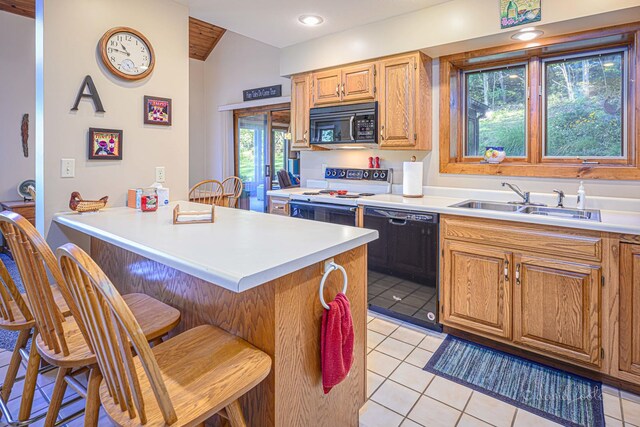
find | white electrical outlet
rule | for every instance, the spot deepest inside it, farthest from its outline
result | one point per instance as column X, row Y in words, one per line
column 67, row 168
column 160, row 174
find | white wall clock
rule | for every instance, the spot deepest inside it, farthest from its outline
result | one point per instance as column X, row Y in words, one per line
column 127, row 53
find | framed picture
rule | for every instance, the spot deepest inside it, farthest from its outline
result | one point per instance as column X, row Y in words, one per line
column 157, row 111
column 519, row 12
column 105, row 144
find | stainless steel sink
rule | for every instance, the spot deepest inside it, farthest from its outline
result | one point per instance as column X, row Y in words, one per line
column 586, row 214
column 489, row 206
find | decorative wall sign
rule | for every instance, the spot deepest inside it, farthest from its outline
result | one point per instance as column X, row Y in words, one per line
column 262, row 93
column 157, row 111
column 87, row 83
column 105, row 144
column 24, row 130
column 519, row 12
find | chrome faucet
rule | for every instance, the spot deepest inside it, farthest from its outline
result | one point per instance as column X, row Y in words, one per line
column 560, row 194
column 526, row 195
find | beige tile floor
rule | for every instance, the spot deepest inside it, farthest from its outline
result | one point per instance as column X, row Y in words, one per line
column 402, row 394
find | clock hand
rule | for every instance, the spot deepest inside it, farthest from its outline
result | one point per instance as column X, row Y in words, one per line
column 125, row 49
column 121, row 51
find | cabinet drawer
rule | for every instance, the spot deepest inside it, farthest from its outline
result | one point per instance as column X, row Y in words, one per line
column 537, row 238
column 278, row 206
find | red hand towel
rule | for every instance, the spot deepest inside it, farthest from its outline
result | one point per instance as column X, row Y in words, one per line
column 336, row 342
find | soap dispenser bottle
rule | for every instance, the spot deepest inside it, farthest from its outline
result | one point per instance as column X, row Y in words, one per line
column 581, row 196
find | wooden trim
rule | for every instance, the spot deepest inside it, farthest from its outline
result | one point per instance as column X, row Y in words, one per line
column 535, row 165
column 115, row 71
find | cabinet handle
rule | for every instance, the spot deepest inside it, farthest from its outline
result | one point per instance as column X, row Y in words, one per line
column 382, row 132
column 518, row 274
column 338, row 89
column 342, row 89
column 506, row 270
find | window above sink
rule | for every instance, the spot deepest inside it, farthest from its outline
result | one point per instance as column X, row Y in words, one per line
column 560, row 107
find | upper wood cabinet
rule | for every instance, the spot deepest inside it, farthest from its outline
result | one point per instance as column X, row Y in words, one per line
column 326, row 87
column 300, row 112
column 629, row 361
column 359, row 83
column 478, row 291
column 404, row 102
column 557, row 307
column 355, row 83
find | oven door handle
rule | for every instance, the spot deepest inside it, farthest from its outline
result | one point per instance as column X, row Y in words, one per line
column 321, row 206
column 351, row 122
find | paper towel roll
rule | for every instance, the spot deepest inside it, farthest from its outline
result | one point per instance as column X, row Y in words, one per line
column 412, row 179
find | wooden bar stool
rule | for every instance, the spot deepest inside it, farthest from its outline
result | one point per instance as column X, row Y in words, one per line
column 209, row 192
column 232, row 190
column 59, row 340
column 183, row 381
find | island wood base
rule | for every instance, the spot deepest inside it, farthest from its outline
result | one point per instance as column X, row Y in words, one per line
column 280, row 317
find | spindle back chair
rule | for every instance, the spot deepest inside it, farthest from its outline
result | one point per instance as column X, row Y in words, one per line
column 209, row 192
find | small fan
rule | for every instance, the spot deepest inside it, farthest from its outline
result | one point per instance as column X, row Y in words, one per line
column 27, row 190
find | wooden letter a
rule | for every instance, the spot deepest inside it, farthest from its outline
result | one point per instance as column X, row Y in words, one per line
column 93, row 94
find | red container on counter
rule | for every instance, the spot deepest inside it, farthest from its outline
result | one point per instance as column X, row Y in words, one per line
column 149, row 200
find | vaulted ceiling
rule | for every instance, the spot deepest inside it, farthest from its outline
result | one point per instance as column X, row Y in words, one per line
column 203, row 36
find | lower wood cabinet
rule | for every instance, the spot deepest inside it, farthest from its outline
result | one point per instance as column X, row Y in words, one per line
column 629, row 361
column 477, row 291
column 556, row 307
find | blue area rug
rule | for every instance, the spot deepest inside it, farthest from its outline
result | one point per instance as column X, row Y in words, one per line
column 8, row 338
column 559, row 396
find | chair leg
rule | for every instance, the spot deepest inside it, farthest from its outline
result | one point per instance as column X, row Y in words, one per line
column 234, row 414
column 30, row 380
column 92, row 411
column 59, row 388
column 14, row 365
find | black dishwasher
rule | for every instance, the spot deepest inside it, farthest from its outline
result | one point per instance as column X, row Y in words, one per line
column 404, row 264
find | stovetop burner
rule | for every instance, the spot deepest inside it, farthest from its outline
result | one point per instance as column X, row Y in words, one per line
column 326, row 191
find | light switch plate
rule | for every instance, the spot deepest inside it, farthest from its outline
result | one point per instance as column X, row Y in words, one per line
column 160, row 174
column 67, row 168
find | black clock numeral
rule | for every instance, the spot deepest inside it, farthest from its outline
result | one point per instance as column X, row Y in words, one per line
column 113, row 43
column 113, row 59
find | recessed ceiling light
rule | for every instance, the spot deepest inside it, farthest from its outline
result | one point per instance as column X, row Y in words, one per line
column 311, row 20
column 528, row 35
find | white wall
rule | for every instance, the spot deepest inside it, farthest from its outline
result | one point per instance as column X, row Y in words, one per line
column 197, row 121
column 311, row 167
column 71, row 31
column 236, row 63
column 17, row 97
column 444, row 24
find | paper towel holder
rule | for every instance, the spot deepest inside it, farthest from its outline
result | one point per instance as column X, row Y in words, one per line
column 415, row 196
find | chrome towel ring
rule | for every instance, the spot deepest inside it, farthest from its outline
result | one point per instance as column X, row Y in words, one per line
column 332, row 267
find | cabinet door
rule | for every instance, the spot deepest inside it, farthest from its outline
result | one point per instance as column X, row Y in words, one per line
column 476, row 288
column 396, row 102
column 358, row 83
column 279, row 206
column 630, row 308
column 326, row 87
column 300, row 112
column 556, row 307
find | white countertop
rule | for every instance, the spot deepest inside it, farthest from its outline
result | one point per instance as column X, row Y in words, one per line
column 241, row 250
column 615, row 221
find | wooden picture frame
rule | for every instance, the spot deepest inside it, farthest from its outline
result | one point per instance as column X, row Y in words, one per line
column 104, row 144
column 157, row 111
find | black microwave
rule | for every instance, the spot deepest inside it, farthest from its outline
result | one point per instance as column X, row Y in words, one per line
column 345, row 126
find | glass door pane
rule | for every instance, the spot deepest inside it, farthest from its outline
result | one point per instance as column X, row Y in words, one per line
column 252, row 155
column 279, row 153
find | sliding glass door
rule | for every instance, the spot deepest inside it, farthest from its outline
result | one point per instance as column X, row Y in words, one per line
column 261, row 150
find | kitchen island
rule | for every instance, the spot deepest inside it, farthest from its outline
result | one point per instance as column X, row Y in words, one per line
column 256, row 276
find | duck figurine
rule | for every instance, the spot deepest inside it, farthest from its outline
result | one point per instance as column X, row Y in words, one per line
column 76, row 203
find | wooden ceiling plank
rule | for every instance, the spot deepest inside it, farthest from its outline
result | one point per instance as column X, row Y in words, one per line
column 203, row 38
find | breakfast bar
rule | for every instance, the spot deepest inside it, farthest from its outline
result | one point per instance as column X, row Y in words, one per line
column 255, row 276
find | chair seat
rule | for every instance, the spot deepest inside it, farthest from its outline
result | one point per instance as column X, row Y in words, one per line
column 19, row 323
column 79, row 353
column 155, row 317
column 204, row 369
